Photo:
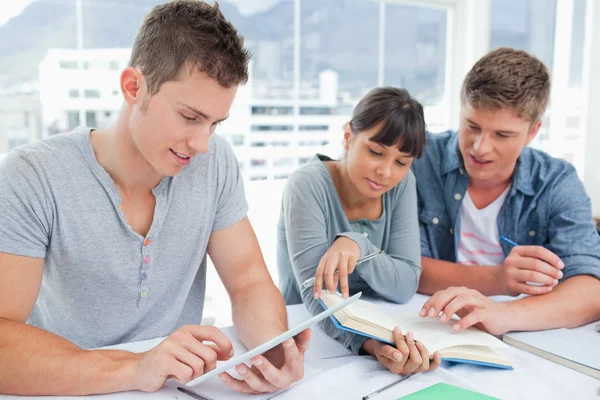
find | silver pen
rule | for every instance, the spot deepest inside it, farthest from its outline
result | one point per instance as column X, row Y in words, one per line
column 311, row 281
column 386, row 387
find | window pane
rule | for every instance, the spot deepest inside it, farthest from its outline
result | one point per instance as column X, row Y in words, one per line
column 415, row 51
column 524, row 24
column 577, row 43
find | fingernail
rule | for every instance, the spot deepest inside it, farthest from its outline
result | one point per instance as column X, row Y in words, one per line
column 242, row 370
column 316, row 295
column 258, row 362
column 432, row 312
column 345, row 295
column 419, row 343
column 397, row 356
column 456, row 327
column 560, row 274
column 555, row 282
column 288, row 343
column 423, row 312
column 561, row 264
column 409, row 336
column 397, row 330
column 222, row 377
column 231, row 353
column 444, row 317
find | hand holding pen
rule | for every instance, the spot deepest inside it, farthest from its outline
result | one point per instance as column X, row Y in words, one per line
column 337, row 263
column 531, row 270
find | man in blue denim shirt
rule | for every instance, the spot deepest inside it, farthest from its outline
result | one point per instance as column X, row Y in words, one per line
column 483, row 183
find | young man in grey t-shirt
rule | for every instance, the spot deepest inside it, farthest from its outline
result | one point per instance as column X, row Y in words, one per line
column 104, row 234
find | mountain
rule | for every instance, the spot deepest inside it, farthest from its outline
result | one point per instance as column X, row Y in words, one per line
column 337, row 34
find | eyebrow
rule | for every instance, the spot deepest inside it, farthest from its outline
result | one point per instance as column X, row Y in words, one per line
column 500, row 131
column 200, row 113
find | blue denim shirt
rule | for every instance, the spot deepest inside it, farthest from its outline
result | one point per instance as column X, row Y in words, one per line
column 546, row 206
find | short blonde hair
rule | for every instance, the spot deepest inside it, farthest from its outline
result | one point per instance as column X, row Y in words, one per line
column 508, row 78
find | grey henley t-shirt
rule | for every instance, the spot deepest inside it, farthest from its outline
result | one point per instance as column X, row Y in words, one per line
column 103, row 283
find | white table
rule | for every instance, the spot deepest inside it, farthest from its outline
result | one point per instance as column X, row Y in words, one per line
column 333, row 373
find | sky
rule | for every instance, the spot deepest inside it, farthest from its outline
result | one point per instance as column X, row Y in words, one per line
column 11, row 8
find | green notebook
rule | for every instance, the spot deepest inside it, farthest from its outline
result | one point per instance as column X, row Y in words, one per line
column 443, row 391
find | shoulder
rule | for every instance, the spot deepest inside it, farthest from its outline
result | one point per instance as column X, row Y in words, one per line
column 312, row 179
column 47, row 155
column 436, row 147
column 547, row 172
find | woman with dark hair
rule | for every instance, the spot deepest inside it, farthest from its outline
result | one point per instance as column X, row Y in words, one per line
column 336, row 211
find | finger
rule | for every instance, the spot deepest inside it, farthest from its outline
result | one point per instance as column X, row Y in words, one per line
column 236, row 384
column 221, row 355
column 414, row 358
column 531, row 289
column 256, row 382
column 182, row 373
column 424, row 353
column 206, row 354
column 401, row 345
column 210, row 333
column 525, row 275
column 470, row 319
column 352, row 259
column 294, row 361
column 271, row 374
column 388, row 356
column 343, row 269
column 459, row 303
column 541, row 253
column 319, row 277
column 190, row 359
column 303, row 340
column 437, row 361
column 439, row 300
column 330, row 268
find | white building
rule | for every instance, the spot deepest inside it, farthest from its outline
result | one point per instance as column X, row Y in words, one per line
column 271, row 137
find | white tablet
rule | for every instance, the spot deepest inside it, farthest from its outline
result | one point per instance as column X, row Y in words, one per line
column 273, row 342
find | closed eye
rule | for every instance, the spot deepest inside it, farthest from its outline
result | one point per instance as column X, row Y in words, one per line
column 375, row 153
column 189, row 118
column 400, row 163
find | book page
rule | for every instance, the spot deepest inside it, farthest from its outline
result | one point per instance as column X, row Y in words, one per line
column 437, row 335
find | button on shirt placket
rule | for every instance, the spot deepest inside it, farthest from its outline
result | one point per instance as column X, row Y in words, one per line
column 144, row 273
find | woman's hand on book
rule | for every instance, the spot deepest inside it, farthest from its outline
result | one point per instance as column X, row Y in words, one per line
column 473, row 308
column 335, row 266
column 408, row 357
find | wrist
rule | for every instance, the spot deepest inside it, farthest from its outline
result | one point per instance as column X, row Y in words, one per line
column 509, row 315
column 126, row 370
column 369, row 346
column 496, row 287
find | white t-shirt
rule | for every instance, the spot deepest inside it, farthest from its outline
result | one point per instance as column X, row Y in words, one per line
column 479, row 238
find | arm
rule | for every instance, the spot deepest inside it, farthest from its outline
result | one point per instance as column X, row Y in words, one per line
column 395, row 274
column 304, row 215
column 440, row 275
column 258, row 308
column 567, row 306
column 34, row 361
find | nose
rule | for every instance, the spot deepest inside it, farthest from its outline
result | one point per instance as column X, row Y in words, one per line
column 199, row 141
column 384, row 169
column 483, row 144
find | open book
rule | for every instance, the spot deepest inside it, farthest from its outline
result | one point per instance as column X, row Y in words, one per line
column 467, row 346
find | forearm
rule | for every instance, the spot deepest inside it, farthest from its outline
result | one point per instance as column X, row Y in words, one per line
column 37, row 362
column 394, row 279
column 440, row 275
column 572, row 303
column 259, row 313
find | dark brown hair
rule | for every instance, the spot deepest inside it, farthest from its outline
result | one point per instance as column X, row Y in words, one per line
column 189, row 33
column 401, row 118
column 508, row 78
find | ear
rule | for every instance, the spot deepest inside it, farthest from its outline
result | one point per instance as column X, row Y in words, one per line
column 533, row 131
column 347, row 135
column 133, row 85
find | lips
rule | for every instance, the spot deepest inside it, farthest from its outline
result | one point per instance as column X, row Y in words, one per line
column 375, row 185
column 180, row 158
column 479, row 162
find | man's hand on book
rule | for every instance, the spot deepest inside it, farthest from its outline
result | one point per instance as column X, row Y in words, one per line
column 533, row 264
column 408, row 357
column 335, row 266
column 265, row 376
column 473, row 308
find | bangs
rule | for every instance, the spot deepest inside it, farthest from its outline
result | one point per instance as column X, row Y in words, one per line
column 402, row 129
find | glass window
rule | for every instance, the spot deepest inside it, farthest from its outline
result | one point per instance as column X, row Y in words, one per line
column 415, row 51
column 524, row 24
